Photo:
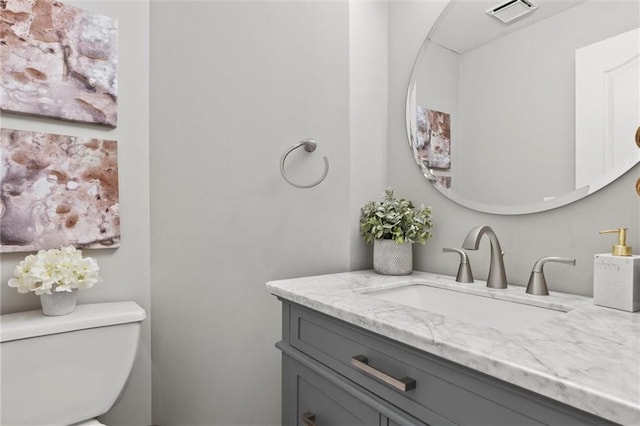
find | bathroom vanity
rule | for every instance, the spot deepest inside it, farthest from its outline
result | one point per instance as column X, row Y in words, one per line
column 352, row 354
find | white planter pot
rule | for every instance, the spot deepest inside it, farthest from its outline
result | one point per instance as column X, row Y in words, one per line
column 391, row 258
column 58, row 303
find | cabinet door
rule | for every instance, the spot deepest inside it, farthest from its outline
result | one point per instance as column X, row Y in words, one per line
column 309, row 399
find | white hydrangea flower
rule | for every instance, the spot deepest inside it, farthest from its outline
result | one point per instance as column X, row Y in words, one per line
column 56, row 270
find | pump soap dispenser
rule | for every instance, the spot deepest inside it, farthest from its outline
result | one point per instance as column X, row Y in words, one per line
column 616, row 276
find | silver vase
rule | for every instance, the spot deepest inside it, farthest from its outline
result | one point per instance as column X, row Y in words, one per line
column 58, row 303
column 391, row 258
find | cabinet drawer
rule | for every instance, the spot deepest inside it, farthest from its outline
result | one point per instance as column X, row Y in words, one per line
column 313, row 393
column 444, row 392
column 312, row 400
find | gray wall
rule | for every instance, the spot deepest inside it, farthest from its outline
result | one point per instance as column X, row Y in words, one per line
column 568, row 231
column 126, row 270
column 436, row 80
column 368, row 111
column 233, row 85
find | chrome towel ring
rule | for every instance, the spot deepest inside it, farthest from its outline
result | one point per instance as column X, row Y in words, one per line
column 309, row 145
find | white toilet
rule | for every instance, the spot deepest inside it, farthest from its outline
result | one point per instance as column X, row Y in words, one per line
column 67, row 370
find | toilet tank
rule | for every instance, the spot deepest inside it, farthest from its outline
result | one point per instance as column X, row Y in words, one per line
column 66, row 369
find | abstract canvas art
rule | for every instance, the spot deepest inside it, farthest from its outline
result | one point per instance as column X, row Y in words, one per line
column 58, row 61
column 433, row 138
column 57, row 190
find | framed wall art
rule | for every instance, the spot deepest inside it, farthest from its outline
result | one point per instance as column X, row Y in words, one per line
column 433, row 137
column 57, row 190
column 58, row 61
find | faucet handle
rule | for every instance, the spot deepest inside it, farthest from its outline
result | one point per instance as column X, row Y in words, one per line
column 537, row 283
column 464, row 269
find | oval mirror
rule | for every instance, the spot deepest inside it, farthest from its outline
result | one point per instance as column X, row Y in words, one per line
column 526, row 105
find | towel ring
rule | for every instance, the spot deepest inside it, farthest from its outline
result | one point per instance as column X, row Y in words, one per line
column 309, row 145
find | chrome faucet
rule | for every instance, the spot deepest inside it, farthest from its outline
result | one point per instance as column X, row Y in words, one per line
column 497, row 276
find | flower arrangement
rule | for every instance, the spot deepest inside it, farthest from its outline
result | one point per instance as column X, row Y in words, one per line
column 55, row 270
column 395, row 219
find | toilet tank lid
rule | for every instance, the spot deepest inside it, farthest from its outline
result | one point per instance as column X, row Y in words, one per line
column 23, row 325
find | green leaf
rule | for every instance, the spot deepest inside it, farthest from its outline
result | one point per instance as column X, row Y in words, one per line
column 395, row 218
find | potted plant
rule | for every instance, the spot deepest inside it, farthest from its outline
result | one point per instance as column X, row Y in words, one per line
column 393, row 224
column 55, row 275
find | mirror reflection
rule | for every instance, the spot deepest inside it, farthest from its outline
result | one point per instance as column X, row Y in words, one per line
column 530, row 114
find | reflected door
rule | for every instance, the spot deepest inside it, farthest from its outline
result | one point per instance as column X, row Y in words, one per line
column 607, row 108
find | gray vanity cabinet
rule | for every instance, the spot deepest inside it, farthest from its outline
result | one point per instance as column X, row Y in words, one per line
column 335, row 373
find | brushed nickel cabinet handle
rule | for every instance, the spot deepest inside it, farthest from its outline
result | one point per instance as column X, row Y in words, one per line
column 404, row 384
column 309, row 419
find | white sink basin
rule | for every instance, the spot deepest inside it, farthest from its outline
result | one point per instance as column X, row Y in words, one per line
column 471, row 308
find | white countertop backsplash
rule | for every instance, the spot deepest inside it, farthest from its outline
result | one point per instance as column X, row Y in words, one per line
column 588, row 358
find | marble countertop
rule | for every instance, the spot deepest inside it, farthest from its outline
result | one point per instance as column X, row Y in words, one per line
column 588, row 358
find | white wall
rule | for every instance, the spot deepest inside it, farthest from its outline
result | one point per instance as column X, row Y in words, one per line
column 126, row 270
column 233, row 85
column 567, row 231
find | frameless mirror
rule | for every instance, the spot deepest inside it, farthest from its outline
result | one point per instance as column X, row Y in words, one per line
column 531, row 114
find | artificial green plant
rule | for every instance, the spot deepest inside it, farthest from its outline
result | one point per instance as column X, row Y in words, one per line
column 395, row 219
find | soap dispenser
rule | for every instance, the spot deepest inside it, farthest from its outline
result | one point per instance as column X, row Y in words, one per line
column 616, row 276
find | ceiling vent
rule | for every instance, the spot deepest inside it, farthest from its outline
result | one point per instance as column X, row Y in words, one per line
column 511, row 10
